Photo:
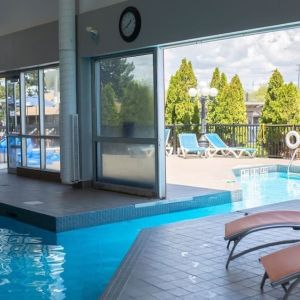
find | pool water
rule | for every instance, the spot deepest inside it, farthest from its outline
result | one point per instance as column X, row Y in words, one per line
column 78, row 264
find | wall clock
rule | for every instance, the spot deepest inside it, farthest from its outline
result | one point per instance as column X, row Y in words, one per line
column 130, row 24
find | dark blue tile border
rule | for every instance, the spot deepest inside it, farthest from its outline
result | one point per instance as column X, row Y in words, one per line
column 100, row 217
column 142, row 210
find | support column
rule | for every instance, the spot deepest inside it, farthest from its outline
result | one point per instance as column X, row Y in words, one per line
column 67, row 67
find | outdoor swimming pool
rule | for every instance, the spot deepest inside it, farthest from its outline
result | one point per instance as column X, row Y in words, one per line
column 37, row 264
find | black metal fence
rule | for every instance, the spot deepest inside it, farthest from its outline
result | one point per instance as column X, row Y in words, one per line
column 269, row 140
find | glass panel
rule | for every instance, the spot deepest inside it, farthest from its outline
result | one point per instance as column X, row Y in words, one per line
column 2, row 107
column 3, row 147
column 52, row 101
column 52, row 147
column 13, row 105
column 33, row 152
column 131, row 164
column 127, row 97
column 32, row 122
column 14, row 152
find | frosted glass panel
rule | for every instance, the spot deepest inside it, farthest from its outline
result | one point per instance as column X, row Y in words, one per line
column 14, row 151
column 132, row 164
column 127, row 97
column 52, row 155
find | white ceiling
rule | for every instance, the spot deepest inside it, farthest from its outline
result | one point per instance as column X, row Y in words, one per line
column 16, row 15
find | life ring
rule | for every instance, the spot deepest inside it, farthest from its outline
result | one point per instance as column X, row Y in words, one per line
column 296, row 136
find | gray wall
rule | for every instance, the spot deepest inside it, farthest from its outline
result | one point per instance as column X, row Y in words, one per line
column 30, row 47
column 169, row 21
column 88, row 5
column 17, row 15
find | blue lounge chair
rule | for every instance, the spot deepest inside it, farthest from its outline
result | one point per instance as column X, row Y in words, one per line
column 218, row 146
column 189, row 145
column 169, row 148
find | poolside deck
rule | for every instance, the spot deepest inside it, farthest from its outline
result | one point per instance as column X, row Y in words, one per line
column 58, row 207
column 213, row 173
column 186, row 260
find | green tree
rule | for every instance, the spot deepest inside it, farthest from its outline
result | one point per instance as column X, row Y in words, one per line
column 109, row 114
column 215, row 80
column 223, row 82
column 282, row 103
column 220, row 83
column 230, row 106
column 137, row 107
column 180, row 108
column 117, row 72
column 259, row 95
column 2, row 92
column 290, row 105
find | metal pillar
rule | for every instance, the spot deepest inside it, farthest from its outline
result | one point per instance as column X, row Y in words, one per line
column 202, row 141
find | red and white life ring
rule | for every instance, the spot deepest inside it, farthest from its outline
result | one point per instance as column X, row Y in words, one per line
column 296, row 136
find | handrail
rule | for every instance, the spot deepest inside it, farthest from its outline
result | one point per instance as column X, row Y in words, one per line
column 292, row 159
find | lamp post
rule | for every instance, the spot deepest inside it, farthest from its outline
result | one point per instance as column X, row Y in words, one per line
column 204, row 94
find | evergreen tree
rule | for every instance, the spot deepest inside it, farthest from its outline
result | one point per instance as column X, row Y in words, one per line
column 117, row 72
column 223, row 82
column 285, row 108
column 2, row 92
column 109, row 114
column 219, row 82
column 260, row 94
column 238, row 104
column 180, row 108
column 137, row 107
column 230, row 107
column 215, row 80
column 289, row 101
column 278, row 94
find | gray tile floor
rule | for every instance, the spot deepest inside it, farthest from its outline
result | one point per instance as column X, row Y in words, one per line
column 186, row 260
column 58, row 200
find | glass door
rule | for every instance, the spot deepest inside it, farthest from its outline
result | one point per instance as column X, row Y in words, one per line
column 13, row 113
column 3, row 145
column 125, row 127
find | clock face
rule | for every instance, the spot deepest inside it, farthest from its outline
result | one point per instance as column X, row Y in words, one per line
column 130, row 24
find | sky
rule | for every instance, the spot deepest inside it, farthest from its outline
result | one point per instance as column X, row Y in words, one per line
column 252, row 57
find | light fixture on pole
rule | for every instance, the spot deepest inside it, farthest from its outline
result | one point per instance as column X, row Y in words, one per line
column 204, row 93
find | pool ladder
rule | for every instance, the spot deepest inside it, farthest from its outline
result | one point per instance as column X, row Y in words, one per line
column 291, row 160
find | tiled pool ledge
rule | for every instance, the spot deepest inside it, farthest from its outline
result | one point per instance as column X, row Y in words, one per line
column 263, row 169
column 111, row 215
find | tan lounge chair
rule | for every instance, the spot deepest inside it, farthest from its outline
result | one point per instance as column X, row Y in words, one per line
column 282, row 268
column 236, row 230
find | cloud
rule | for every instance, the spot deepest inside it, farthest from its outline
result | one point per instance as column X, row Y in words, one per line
column 252, row 57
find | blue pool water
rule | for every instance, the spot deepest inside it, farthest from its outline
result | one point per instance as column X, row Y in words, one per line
column 37, row 264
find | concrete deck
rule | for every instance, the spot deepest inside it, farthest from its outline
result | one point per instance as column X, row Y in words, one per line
column 58, row 207
column 212, row 173
column 186, row 261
